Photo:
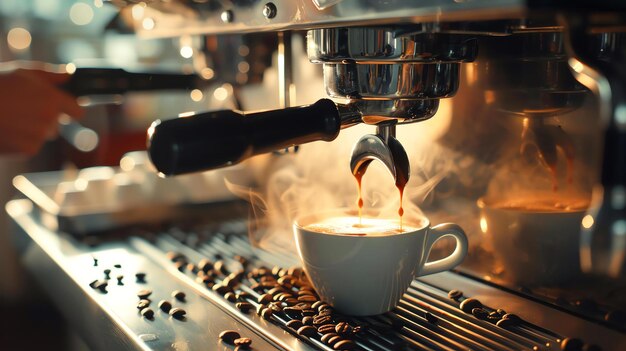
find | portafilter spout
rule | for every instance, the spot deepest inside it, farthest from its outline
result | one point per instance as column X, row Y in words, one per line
column 384, row 147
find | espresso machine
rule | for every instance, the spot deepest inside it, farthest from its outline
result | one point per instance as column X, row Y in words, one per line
column 531, row 92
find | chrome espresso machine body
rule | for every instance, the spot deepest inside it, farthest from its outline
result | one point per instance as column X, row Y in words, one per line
column 533, row 92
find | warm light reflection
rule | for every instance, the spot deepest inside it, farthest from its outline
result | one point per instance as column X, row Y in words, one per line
column 127, row 163
column 70, row 68
column 244, row 50
column 148, row 23
column 81, row 14
column 576, row 65
column 98, row 3
column 186, row 51
column 243, row 67
column 138, row 11
column 186, row 114
column 80, row 184
column 207, row 73
column 483, row 224
column 196, row 95
column 587, row 221
column 220, row 94
column 19, row 38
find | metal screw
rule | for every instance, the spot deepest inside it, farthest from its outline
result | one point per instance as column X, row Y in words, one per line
column 227, row 16
column 269, row 10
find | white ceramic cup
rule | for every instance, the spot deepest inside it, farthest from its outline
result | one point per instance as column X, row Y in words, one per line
column 367, row 275
column 535, row 247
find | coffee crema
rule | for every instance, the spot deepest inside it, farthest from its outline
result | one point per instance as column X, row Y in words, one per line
column 542, row 205
column 350, row 225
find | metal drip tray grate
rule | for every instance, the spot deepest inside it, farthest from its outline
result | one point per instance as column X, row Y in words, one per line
column 241, row 279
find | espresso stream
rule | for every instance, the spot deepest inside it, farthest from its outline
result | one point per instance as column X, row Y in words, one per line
column 400, row 184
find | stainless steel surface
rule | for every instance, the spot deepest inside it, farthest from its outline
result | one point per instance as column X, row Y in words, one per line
column 110, row 320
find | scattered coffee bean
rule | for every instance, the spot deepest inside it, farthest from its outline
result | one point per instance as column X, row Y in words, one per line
column 505, row 323
column 571, row 344
column 107, row 274
column 316, row 305
column 307, row 330
column 93, row 284
column 265, row 298
column 244, row 307
column 244, row 261
column 455, row 294
column 95, row 262
column 102, row 286
column 308, row 312
column 275, row 306
column 480, row 313
column 147, row 313
column 119, row 279
column 359, row 328
column 205, row 265
column 165, row 306
column 178, row 313
column 175, row 256
column 143, row 304
column 229, row 336
column 494, row 316
column 319, row 320
column 144, row 294
column 512, row 317
column 431, row 318
column 307, row 298
column 501, row 312
column 327, row 337
column 469, row 304
column 242, row 296
column 192, row 268
column 343, row 328
column 332, row 341
column 260, row 308
column 275, row 291
column 266, row 313
column 118, row 266
column 344, row 345
column 220, row 267
column 294, row 324
column 231, row 297
column 308, row 320
column 180, row 265
column 246, row 342
column 221, row 289
column 326, row 329
column 141, row 277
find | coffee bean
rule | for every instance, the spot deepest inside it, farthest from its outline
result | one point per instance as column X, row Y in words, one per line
column 494, row 316
column 243, row 342
column 512, row 317
column 291, row 301
column 307, row 330
column 317, row 304
column 205, row 280
column 505, row 323
column 95, row 262
column 307, row 298
column 107, row 274
column 303, row 306
column 455, row 294
column 501, row 312
column 180, row 265
column 326, row 329
column 165, row 306
column 265, row 298
column 244, row 307
column 343, row 328
column 94, row 283
column 119, row 279
column 294, row 324
column 325, row 312
column 175, row 256
column 244, row 261
column 221, row 289
column 275, row 291
column 344, row 345
column 192, row 268
column 141, row 277
column 117, row 265
column 332, row 341
column 257, row 287
column 260, row 308
column 147, row 313
column 319, row 320
column 143, row 304
column 178, row 313
column 229, row 336
column 431, row 318
column 205, row 265
column 308, row 320
column 220, row 267
column 571, row 344
column 231, row 297
column 292, row 312
column 285, row 280
column 143, row 294
column 469, row 304
column 266, row 313
column 327, row 337
column 242, row 296
column 480, row 313
column 275, row 307
column 179, row 295
column 359, row 328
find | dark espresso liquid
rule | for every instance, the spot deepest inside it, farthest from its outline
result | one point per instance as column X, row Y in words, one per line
column 400, row 184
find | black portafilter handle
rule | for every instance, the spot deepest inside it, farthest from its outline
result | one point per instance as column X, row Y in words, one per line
column 110, row 81
column 222, row 138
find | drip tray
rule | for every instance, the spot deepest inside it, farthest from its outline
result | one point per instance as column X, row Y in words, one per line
column 265, row 297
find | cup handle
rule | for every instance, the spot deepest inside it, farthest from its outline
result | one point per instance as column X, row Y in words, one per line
column 437, row 232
